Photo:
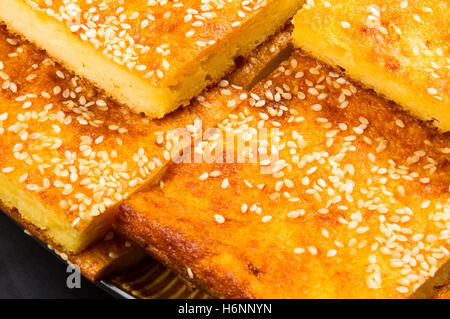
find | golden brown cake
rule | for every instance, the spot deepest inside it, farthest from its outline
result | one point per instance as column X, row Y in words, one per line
column 400, row 48
column 150, row 55
column 352, row 202
column 70, row 155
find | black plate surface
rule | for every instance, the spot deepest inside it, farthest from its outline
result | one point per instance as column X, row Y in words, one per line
column 27, row 270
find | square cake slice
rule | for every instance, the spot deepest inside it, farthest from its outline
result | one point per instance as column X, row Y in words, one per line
column 398, row 48
column 69, row 155
column 330, row 192
column 152, row 56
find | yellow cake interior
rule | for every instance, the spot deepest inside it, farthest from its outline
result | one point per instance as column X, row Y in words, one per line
column 32, row 209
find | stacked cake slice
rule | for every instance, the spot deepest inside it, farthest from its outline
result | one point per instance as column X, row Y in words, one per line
column 152, row 56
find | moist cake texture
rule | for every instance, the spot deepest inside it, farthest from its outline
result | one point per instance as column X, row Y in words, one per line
column 152, row 56
column 399, row 48
column 356, row 206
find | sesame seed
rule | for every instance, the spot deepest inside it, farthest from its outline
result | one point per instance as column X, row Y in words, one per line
column 345, row 24
column 219, row 218
column 190, row 273
column 266, row 219
column 225, row 183
column 432, row 91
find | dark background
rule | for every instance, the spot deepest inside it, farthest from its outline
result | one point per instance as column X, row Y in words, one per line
column 28, row 270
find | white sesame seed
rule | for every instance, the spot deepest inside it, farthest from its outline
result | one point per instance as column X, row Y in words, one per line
column 432, row 91
column 266, row 219
column 219, row 218
column 345, row 24
column 225, row 183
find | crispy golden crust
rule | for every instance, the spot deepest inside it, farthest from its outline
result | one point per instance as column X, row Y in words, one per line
column 399, row 48
column 112, row 254
column 173, row 49
column 356, row 206
column 257, row 66
column 75, row 151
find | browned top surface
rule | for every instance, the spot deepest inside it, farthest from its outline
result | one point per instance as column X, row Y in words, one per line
column 154, row 38
column 78, row 152
column 408, row 38
column 356, row 206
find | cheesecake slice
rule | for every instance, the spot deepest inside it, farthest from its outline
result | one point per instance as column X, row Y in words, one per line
column 399, row 48
column 69, row 155
column 153, row 56
column 332, row 192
